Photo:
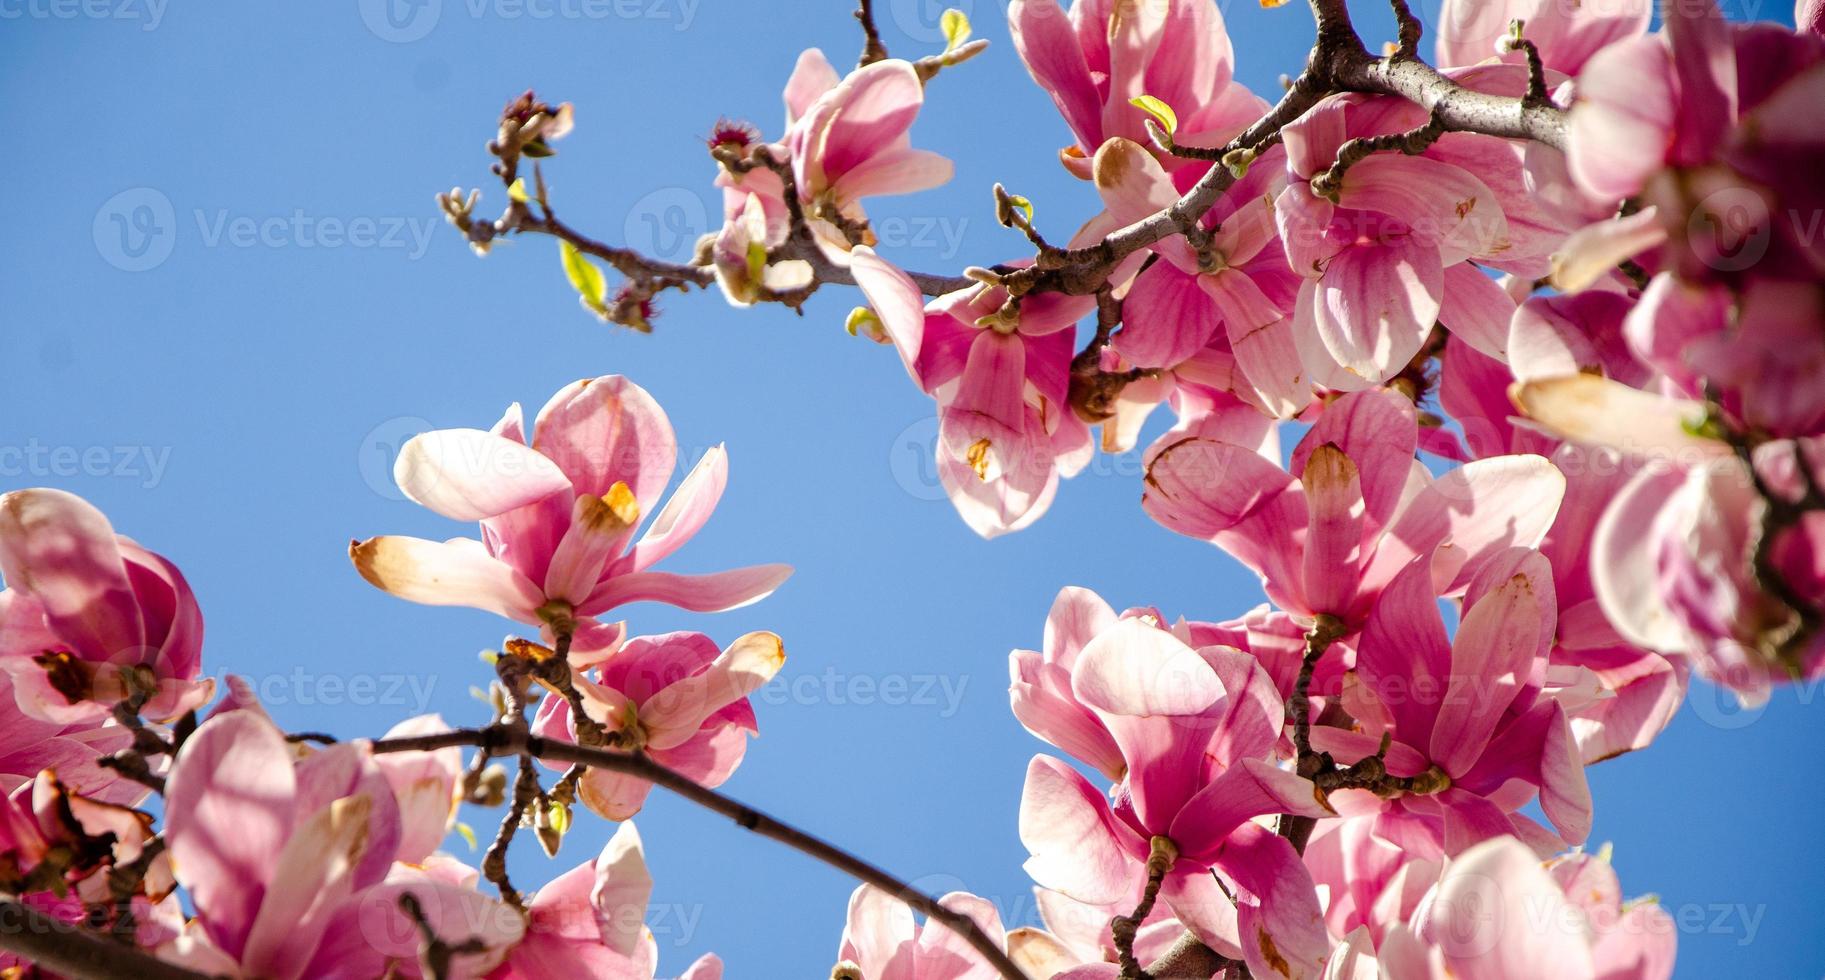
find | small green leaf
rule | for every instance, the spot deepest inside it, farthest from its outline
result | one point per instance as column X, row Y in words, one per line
column 862, row 319
column 956, row 26
column 1023, row 204
column 585, row 278
column 1158, row 110
column 1237, row 160
column 517, row 190
column 560, row 818
column 467, row 833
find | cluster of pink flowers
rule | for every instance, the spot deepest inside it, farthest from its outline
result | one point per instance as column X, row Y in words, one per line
column 296, row 860
column 1562, row 445
column 1629, row 334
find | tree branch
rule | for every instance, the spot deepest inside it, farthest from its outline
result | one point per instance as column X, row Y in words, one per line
column 502, row 740
column 1189, row 957
column 73, row 951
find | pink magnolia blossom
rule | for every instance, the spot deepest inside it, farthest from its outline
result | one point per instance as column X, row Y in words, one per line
column 426, row 785
column 1355, row 509
column 1497, row 913
column 1676, row 99
column 811, row 77
column 739, row 255
column 1238, row 285
column 882, row 941
column 557, row 517
column 1672, row 558
column 1715, row 129
column 851, row 141
column 1618, row 695
column 1041, row 692
column 81, row 838
column 589, row 922
column 1384, row 253
column 1466, row 716
column 289, row 860
column 1197, row 730
column 89, row 618
column 29, row 746
column 1207, row 393
column 1002, row 381
column 677, row 698
column 1568, row 33
column 1105, row 53
column 1675, row 569
column 1077, row 937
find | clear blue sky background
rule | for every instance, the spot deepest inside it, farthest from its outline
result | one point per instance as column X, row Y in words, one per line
column 271, row 377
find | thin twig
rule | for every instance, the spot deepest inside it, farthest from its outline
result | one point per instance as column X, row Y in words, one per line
column 872, row 48
column 500, row 740
column 436, row 955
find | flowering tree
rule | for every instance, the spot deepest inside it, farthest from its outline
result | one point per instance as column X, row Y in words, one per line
column 1568, row 262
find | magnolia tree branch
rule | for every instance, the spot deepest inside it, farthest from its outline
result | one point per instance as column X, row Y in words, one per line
column 501, row 740
column 1189, row 957
column 74, row 951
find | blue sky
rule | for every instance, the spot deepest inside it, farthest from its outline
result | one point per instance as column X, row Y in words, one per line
column 228, row 297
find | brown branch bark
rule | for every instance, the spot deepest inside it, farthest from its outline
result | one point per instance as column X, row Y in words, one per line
column 502, row 740
column 74, row 951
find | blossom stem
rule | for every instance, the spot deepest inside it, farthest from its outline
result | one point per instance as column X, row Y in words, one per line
column 1124, row 927
column 501, row 740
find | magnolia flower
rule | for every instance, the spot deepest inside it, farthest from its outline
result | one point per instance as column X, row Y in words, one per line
column 739, row 255
column 1497, row 913
column 1078, row 937
column 677, row 698
column 426, row 785
column 1619, row 695
column 881, row 941
column 1237, row 284
column 1355, row 510
column 1463, row 716
column 1001, row 375
column 1105, row 53
column 557, row 518
column 1383, row 250
column 589, row 922
column 851, row 142
column 1713, row 128
column 290, row 863
column 28, row 746
column 1567, row 34
column 52, row 839
column 1197, row 730
column 90, row 619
